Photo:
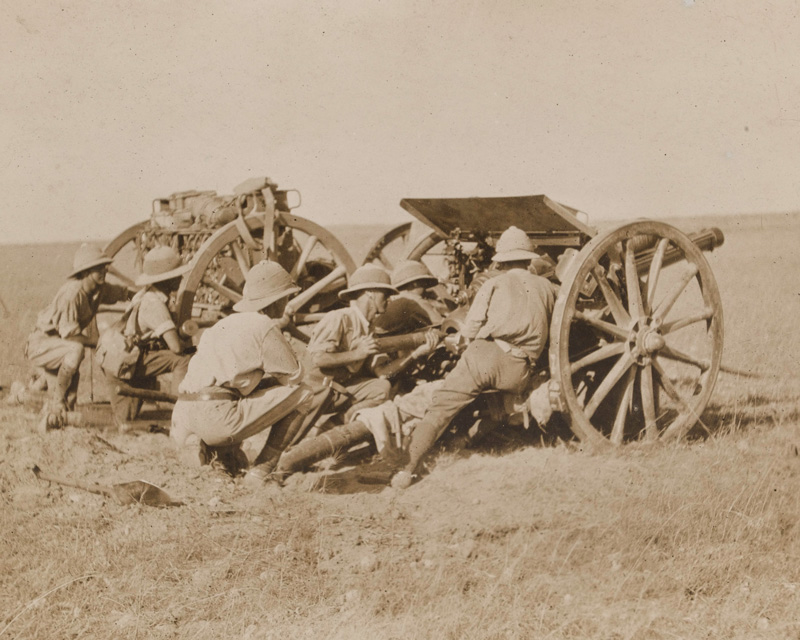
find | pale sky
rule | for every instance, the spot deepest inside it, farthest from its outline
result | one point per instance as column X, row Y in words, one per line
column 620, row 108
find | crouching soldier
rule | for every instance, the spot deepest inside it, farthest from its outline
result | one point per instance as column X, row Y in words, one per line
column 149, row 325
column 244, row 378
column 344, row 356
column 56, row 345
column 507, row 329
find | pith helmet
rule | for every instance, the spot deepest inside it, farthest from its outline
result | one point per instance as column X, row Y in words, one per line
column 265, row 283
column 161, row 263
column 88, row 257
column 412, row 272
column 514, row 244
column 366, row 277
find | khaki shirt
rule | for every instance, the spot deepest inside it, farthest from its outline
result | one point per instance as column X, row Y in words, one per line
column 339, row 331
column 514, row 310
column 69, row 313
column 153, row 318
column 238, row 352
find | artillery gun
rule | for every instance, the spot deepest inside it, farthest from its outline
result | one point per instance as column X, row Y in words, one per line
column 636, row 335
column 637, row 332
column 222, row 236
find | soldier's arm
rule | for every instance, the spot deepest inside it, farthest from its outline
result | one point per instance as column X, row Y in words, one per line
column 365, row 348
column 173, row 341
column 478, row 311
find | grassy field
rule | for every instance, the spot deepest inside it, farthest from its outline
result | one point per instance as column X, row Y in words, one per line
column 693, row 540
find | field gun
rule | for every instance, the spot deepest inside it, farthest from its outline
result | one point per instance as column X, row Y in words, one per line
column 637, row 331
column 222, row 236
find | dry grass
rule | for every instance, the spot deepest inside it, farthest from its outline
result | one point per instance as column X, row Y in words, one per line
column 696, row 540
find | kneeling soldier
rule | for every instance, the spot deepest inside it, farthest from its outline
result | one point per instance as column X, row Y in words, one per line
column 56, row 345
column 150, row 326
column 507, row 326
column 244, row 378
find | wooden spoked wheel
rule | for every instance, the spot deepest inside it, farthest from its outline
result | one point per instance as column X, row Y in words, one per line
column 127, row 251
column 316, row 260
column 390, row 247
column 636, row 335
column 431, row 250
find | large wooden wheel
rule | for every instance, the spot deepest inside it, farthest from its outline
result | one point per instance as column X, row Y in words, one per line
column 317, row 261
column 389, row 247
column 636, row 343
column 126, row 249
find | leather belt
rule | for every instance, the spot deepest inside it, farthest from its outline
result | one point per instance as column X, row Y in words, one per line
column 210, row 393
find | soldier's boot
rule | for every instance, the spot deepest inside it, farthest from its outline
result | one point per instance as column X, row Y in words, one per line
column 63, row 386
column 54, row 412
column 265, row 467
column 426, row 433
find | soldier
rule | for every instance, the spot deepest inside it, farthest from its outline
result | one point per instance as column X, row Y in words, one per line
column 343, row 348
column 56, row 345
column 506, row 327
column 410, row 310
column 150, row 326
column 244, row 378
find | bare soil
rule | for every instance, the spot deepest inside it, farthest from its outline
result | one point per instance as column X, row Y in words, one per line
column 528, row 538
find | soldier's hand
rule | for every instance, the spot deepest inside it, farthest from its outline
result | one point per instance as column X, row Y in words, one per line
column 455, row 343
column 366, row 347
column 431, row 342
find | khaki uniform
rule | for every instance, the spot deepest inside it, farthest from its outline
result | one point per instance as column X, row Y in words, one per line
column 339, row 331
column 50, row 346
column 509, row 321
column 148, row 323
column 245, row 357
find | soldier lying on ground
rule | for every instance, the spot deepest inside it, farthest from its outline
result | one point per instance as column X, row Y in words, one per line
column 389, row 427
column 56, row 345
column 244, row 378
column 507, row 329
column 150, row 327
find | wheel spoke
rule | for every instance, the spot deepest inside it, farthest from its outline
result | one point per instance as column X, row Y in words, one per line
column 602, row 353
column 675, row 354
column 241, row 257
column 602, row 325
column 611, row 379
column 672, row 296
column 221, row 289
column 125, row 280
column 648, row 402
column 655, row 272
column 311, row 242
column 618, row 430
column 632, row 283
column 614, row 303
column 675, row 325
column 666, row 383
column 296, row 303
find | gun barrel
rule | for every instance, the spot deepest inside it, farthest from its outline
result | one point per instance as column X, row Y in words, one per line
column 705, row 240
column 403, row 342
column 125, row 389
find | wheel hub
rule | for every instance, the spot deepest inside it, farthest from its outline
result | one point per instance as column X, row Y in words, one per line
column 644, row 340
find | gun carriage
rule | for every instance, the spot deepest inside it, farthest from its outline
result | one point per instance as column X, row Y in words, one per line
column 636, row 335
column 222, row 237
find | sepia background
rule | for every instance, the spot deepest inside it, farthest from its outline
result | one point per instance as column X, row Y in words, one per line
column 686, row 110
column 620, row 109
